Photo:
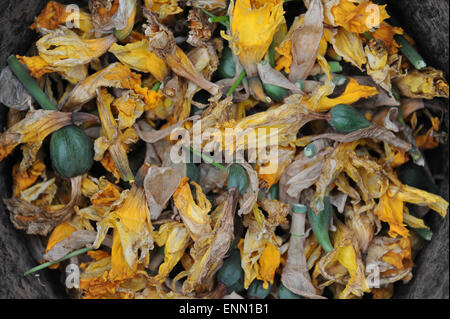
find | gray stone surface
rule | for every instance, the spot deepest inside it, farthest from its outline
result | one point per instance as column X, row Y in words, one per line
column 425, row 20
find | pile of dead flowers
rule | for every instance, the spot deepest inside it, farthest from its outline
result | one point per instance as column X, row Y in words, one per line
column 343, row 88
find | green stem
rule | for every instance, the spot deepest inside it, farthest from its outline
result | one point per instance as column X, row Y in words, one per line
column 207, row 159
column 50, row 263
column 368, row 36
column 236, row 83
column 30, row 84
column 212, row 16
column 410, row 53
column 219, row 19
column 156, row 86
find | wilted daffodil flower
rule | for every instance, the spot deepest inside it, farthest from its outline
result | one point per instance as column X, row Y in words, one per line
column 253, row 25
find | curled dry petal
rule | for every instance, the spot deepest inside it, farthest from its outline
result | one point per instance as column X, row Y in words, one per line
column 64, row 48
column 205, row 267
column 427, row 83
column 162, row 43
column 193, row 213
column 112, row 139
column 200, row 29
column 132, row 227
column 268, row 75
column 306, row 41
column 110, row 15
column 393, row 258
column 349, row 46
column 56, row 14
column 115, row 75
column 137, row 56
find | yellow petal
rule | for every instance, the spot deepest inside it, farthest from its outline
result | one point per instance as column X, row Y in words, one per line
column 253, row 25
column 358, row 18
column 349, row 46
column 56, row 14
column 61, row 232
column 390, row 210
column 194, row 215
column 268, row 263
column 23, row 180
column 353, row 92
column 137, row 56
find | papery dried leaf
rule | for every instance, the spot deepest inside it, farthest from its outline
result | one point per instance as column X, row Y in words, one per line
column 268, row 75
column 363, row 226
column 12, row 92
column 159, row 184
column 29, row 217
column 211, row 178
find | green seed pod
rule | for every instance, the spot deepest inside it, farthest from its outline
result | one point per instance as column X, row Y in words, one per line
column 71, row 151
column 276, row 93
column 346, row 119
column 231, row 273
column 416, row 176
column 227, row 67
column 310, row 150
column 257, row 291
column 274, row 191
column 237, row 178
column 192, row 172
column 320, row 224
column 424, row 233
column 284, row 293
